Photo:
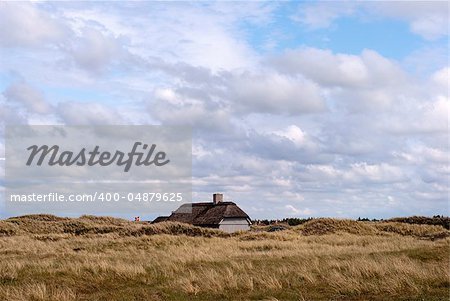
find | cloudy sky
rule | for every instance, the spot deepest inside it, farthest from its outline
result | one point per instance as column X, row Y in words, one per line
column 298, row 108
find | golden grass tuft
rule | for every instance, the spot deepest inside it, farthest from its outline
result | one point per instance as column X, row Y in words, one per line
column 175, row 228
column 323, row 226
column 101, row 258
column 8, row 229
column 37, row 292
column 423, row 231
column 39, row 217
column 87, row 225
column 104, row 220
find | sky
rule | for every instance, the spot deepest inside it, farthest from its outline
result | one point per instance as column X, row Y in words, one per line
column 298, row 109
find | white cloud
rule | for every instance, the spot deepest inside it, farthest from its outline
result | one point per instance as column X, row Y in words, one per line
column 275, row 94
column 295, row 134
column 441, row 78
column 93, row 50
column 326, row 68
column 321, row 15
column 75, row 113
column 430, row 27
column 197, row 35
column 24, row 24
column 378, row 173
column 298, row 212
column 30, row 97
column 320, row 171
column 430, row 155
column 173, row 107
column 10, row 115
column 299, row 131
column 426, row 117
column 429, row 19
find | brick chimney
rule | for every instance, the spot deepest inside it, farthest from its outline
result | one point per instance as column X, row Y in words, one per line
column 217, row 198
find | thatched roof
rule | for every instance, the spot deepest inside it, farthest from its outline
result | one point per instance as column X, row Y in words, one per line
column 160, row 219
column 203, row 214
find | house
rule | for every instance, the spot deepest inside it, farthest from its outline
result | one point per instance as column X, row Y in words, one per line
column 160, row 219
column 226, row 216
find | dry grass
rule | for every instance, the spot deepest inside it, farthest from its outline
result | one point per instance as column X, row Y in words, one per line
column 327, row 225
column 112, row 259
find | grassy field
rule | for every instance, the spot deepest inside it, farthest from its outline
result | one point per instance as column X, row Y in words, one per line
column 90, row 258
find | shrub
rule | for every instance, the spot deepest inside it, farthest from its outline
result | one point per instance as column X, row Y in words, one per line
column 322, row 226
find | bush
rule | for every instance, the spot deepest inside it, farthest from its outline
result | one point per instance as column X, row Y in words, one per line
column 322, row 226
column 423, row 231
column 436, row 220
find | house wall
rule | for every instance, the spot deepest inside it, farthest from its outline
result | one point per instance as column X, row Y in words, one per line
column 234, row 224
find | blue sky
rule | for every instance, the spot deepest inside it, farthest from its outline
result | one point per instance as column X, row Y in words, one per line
column 389, row 37
column 298, row 108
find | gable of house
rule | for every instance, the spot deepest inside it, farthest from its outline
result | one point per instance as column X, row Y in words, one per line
column 207, row 213
column 217, row 214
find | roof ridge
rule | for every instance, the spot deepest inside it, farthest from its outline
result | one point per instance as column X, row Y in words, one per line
column 208, row 213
